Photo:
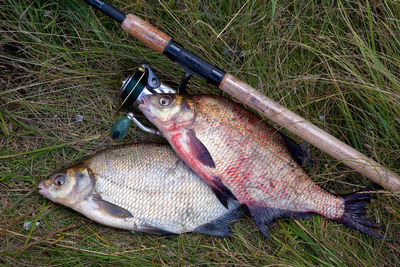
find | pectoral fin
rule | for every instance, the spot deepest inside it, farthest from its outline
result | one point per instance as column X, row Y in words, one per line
column 111, row 209
column 198, row 150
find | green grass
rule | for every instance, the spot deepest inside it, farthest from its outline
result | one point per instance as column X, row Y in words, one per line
column 336, row 63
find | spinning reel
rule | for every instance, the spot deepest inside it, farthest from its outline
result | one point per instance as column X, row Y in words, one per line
column 137, row 85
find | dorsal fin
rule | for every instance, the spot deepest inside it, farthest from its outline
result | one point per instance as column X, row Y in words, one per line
column 299, row 152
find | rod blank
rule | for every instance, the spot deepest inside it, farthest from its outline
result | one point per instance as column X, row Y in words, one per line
column 107, row 9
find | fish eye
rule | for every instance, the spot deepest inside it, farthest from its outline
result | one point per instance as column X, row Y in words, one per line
column 165, row 100
column 59, row 180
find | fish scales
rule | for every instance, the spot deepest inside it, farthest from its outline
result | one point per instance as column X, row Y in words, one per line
column 150, row 204
column 267, row 171
column 156, row 188
column 243, row 157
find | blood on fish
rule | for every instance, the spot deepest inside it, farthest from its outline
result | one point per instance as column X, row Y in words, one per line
column 252, row 160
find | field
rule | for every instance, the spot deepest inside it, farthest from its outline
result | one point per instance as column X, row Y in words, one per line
column 336, row 63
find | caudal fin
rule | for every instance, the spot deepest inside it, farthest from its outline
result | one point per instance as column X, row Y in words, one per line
column 354, row 213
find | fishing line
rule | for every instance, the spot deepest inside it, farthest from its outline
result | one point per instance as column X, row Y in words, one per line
column 133, row 89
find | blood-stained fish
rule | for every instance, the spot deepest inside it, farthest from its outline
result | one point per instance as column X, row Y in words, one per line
column 242, row 157
column 142, row 188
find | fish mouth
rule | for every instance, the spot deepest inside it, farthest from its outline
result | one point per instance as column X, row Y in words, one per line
column 43, row 191
column 40, row 188
column 144, row 107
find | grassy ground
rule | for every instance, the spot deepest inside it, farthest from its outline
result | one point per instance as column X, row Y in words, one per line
column 334, row 62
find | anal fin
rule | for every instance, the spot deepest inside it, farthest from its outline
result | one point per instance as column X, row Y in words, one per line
column 265, row 217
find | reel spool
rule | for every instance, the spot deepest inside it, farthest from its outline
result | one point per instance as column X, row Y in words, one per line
column 142, row 82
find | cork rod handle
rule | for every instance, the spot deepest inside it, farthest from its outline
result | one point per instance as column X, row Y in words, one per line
column 146, row 33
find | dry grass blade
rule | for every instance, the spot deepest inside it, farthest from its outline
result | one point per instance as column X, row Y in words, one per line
column 38, row 241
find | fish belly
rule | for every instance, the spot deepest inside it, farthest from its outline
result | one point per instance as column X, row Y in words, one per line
column 156, row 187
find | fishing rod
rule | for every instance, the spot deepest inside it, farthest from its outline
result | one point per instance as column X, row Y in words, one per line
column 194, row 65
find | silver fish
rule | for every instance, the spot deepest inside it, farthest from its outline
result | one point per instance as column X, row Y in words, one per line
column 142, row 188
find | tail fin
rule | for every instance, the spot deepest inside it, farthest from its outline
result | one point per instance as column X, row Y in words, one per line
column 354, row 215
